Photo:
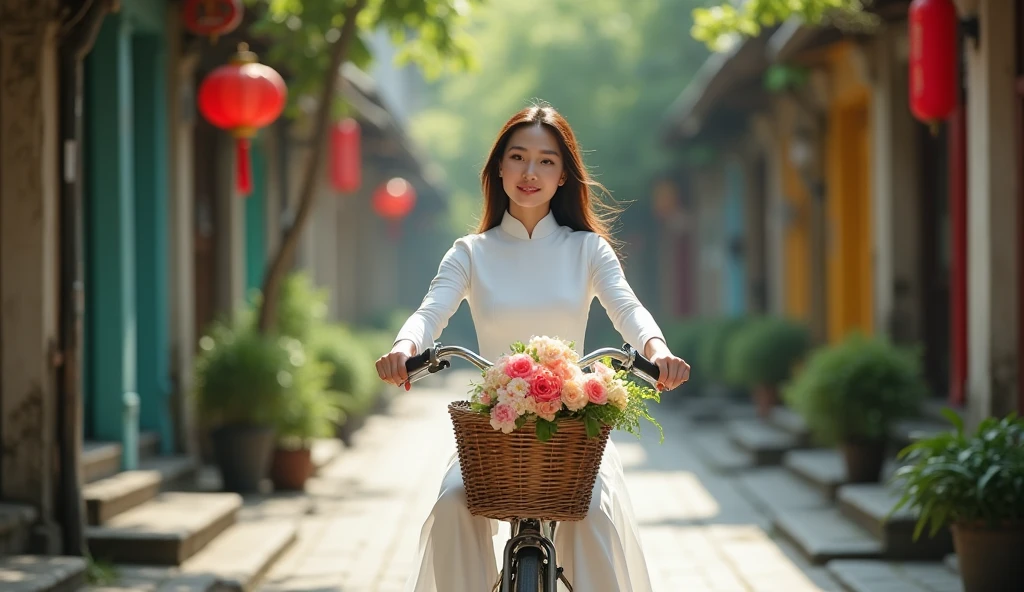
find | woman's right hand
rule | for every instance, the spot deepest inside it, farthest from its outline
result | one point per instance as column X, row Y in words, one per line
column 391, row 366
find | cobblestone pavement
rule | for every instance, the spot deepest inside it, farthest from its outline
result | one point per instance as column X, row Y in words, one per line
column 699, row 533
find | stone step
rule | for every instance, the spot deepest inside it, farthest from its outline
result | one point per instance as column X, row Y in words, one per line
column 103, row 459
column 718, row 452
column 884, row 576
column 907, row 431
column 15, row 527
column 775, row 490
column 952, row 563
column 792, row 423
column 714, row 409
column 113, row 495
column 932, row 409
column 825, row 468
column 824, row 534
column 869, row 504
column 765, row 443
column 166, row 530
column 39, row 573
column 242, row 555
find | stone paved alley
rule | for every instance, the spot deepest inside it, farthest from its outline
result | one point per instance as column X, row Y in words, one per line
column 361, row 532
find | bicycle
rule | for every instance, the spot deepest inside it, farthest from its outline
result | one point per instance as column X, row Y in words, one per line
column 529, row 563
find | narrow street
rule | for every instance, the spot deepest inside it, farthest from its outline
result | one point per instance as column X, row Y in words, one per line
column 361, row 533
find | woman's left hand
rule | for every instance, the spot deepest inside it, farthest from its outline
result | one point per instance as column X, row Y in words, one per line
column 674, row 370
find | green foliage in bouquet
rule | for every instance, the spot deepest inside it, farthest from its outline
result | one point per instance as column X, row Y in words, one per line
column 974, row 479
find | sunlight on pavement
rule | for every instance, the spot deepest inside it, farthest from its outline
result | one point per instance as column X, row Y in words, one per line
column 369, row 505
column 678, row 497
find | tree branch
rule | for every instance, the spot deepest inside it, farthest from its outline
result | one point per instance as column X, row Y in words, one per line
column 307, row 195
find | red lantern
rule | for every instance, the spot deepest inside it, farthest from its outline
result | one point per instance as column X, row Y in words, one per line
column 346, row 164
column 212, row 18
column 242, row 97
column 394, row 199
column 933, row 60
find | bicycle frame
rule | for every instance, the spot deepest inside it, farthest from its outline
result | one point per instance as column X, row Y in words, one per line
column 531, row 532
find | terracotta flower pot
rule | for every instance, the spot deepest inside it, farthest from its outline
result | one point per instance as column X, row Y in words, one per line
column 290, row 469
column 990, row 557
column 864, row 460
column 766, row 398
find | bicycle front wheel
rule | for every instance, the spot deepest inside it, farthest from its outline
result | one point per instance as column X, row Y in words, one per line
column 530, row 571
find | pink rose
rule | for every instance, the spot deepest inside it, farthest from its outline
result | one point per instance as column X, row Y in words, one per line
column 563, row 369
column 503, row 417
column 603, row 371
column 519, row 366
column 595, row 390
column 548, row 409
column 545, row 386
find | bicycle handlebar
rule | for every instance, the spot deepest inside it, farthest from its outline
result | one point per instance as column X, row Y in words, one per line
column 435, row 359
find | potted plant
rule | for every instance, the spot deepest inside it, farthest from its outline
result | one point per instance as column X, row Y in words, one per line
column 241, row 384
column 974, row 484
column 851, row 393
column 310, row 412
column 353, row 376
column 762, row 355
column 716, row 335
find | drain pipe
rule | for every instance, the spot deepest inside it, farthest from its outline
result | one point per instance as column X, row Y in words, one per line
column 77, row 35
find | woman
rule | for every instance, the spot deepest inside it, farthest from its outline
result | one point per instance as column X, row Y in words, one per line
column 534, row 266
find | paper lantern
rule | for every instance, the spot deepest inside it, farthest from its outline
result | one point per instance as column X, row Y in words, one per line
column 933, row 60
column 242, row 97
column 345, row 157
column 394, row 200
column 212, row 18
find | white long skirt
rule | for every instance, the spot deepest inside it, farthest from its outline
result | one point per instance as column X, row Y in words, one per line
column 601, row 553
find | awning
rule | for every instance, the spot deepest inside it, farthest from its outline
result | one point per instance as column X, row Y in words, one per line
column 714, row 87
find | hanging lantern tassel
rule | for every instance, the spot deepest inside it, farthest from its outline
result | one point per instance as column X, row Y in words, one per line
column 243, row 165
column 242, row 97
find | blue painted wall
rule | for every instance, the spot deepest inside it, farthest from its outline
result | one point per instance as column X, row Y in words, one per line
column 255, row 221
column 128, row 344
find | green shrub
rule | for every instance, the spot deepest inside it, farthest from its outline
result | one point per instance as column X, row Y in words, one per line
column 765, row 351
column 952, row 477
column 685, row 340
column 310, row 411
column 242, row 377
column 352, row 365
column 716, row 336
column 854, row 390
column 301, row 307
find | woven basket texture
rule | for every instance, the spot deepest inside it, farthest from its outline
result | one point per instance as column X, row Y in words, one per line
column 510, row 476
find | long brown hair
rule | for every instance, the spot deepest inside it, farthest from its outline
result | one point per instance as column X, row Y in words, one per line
column 574, row 204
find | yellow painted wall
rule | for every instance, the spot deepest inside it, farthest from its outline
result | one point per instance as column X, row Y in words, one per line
column 849, row 274
column 797, row 239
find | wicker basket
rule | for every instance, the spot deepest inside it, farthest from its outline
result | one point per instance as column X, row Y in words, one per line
column 510, row 476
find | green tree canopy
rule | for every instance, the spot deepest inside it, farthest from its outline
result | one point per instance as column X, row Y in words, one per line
column 310, row 40
column 719, row 25
column 612, row 68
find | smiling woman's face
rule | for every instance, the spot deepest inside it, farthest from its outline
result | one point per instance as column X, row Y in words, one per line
column 531, row 168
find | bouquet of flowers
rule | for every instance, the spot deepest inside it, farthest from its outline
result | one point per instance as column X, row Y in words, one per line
column 542, row 381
